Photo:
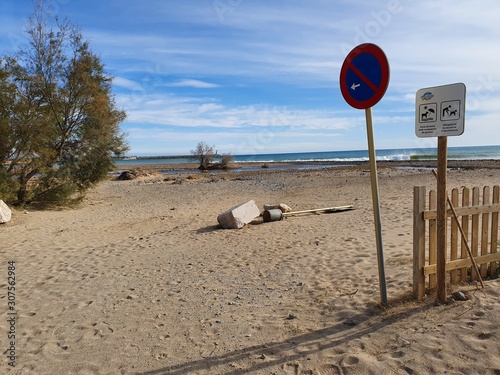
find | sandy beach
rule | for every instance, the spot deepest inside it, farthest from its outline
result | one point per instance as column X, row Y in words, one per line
column 140, row 279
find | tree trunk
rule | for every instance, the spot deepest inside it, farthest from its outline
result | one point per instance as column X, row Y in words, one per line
column 22, row 193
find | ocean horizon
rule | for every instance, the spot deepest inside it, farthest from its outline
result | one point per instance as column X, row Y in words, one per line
column 355, row 156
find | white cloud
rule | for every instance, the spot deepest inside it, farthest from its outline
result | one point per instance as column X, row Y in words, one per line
column 127, row 84
column 192, row 83
column 170, row 110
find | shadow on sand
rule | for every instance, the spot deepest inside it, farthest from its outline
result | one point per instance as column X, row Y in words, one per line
column 294, row 348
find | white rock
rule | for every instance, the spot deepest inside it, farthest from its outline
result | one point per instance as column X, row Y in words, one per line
column 5, row 212
column 238, row 216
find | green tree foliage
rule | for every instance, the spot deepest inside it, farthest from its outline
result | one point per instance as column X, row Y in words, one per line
column 59, row 125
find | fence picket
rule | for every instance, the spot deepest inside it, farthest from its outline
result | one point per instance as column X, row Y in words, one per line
column 494, row 230
column 454, row 237
column 465, row 229
column 419, row 198
column 485, row 224
column 432, row 237
column 475, row 230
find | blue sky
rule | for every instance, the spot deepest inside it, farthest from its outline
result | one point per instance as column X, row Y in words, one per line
column 254, row 76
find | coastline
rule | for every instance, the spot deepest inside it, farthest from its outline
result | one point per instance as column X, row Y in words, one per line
column 140, row 279
column 270, row 166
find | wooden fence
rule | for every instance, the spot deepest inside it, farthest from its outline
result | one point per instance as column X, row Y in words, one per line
column 478, row 216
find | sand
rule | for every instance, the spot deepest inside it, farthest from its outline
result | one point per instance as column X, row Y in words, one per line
column 140, row 279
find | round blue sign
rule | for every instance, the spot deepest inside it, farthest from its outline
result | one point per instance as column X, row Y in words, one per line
column 364, row 76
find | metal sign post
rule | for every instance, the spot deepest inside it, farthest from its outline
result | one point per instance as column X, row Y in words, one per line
column 376, row 205
column 364, row 78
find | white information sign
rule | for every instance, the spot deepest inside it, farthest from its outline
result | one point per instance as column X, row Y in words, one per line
column 440, row 111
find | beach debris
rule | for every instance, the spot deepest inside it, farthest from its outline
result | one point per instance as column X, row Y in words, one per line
column 278, row 206
column 277, row 214
column 351, row 322
column 127, row 175
column 136, row 173
column 459, row 296
column 402, row 343
column 238, row 216
column 350, row 294
column 6, row 213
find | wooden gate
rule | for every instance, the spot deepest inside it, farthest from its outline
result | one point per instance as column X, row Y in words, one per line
column 477, row 210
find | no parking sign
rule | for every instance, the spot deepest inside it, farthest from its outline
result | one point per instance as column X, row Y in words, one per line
column 364, row 76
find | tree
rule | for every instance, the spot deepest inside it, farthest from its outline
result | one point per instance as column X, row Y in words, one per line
column 59, row 125
column 226, row 160
column 205, row 155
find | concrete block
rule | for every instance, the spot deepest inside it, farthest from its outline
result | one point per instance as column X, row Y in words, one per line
column 5, row 212
column 238, row 216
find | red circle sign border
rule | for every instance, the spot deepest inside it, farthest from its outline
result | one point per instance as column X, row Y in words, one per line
column 384, row 65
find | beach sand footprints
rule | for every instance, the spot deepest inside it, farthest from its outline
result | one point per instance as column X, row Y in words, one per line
column 73, row 332
column 57, row 344
column 102, row 329
column 296, row 368
column 87, row 368
column 69, row 331
column 27, row 314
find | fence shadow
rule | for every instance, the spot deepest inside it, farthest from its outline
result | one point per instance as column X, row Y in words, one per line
column 286, row 351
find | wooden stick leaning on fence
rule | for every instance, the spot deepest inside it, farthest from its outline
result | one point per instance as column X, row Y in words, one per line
column 464, row 237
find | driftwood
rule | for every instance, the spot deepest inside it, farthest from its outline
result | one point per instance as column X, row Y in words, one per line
column 277, row 214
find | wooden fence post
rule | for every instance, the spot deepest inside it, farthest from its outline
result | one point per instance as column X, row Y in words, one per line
column 485, row 226
column 465, row 229
column 494, row 230
column 432, row 238
column 419, row 196
column 454, row 238
column 475, row 231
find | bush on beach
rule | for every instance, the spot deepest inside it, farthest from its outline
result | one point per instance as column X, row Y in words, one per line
column 205, row 155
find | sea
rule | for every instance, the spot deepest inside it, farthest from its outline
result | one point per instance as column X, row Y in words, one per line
column 329, row 157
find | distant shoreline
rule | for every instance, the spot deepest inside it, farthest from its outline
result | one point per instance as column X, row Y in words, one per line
column 156, row 157
column 309, row 165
